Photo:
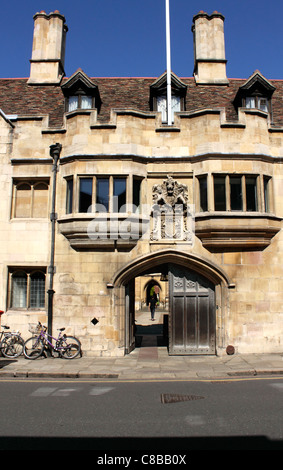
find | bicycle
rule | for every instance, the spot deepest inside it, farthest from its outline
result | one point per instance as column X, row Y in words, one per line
column 68, row 347
column 11, row 343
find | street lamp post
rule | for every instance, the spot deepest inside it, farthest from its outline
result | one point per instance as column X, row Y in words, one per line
column 55, row 151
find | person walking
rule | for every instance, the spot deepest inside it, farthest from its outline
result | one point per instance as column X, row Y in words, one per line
column 152, row 305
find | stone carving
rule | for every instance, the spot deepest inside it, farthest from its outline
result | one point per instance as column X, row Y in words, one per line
column 170, row 211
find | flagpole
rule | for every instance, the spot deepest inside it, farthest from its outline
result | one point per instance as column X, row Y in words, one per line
column 168, row 58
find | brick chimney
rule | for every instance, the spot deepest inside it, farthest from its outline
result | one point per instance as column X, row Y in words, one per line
column 48, row 50
column 209, row 48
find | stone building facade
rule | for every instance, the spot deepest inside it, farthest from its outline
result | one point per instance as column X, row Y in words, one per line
column 99, row 196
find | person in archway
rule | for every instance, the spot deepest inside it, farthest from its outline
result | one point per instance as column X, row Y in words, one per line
column 152, row 305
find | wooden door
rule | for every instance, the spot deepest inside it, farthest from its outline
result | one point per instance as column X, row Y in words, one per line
column 192, row 313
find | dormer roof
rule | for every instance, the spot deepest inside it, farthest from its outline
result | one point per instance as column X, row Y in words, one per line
column 79, row 81
column 177, row 85
column 257, row 82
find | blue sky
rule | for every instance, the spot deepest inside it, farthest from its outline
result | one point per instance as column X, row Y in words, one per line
column 109, row 38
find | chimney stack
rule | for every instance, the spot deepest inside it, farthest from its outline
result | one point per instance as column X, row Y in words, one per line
column 48, row 50
column 209, row 49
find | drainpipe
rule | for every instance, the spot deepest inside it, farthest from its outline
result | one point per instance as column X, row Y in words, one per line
column 55, row 151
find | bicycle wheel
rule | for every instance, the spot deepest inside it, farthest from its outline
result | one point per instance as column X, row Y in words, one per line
column 12, row 346
column 33, row 347
column 70, row 347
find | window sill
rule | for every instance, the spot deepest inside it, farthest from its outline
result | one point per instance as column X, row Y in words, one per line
column 33, row 311
column 79, row 112
column 236, row 230
column 25, row 219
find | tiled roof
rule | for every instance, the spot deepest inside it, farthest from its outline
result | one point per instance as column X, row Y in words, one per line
column 17, row 97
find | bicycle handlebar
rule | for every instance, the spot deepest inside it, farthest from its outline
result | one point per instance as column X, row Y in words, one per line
column 42, row 326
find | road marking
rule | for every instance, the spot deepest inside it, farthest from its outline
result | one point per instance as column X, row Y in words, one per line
column 100, row 390
column 43, row 392
column 65, row 392
column 278, row 386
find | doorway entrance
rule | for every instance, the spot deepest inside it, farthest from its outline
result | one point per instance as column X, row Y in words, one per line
column 192, row 313
column 187, row 325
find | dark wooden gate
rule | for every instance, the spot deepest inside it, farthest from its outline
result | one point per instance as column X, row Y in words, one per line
column 192, row 313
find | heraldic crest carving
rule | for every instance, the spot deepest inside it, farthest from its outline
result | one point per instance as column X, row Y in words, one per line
column 170, row 211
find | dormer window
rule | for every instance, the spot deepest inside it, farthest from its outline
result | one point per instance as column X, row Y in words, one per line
column 256, row 93
column 161, row 104
column 256, row 102
column 158, row 96
column 80, row 101
column 81, row 93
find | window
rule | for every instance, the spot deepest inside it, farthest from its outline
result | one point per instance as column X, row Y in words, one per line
column 203, row 193
column 255, row 93
column 69, row 198
column 108, row 193
column 235, row 193
column 19, row 290
column 158, row 96
column 257, row 102
column 105, row 193
column 85, row 197
column 251, row 193
column 27, row 288
column 30, row 199
column 37, row 290
column 162, row 106
column 102, row 192
column 80, row 93
column 248, row 193
column 136, row 194
column 236, row 196
column 219, row 193
column 266, row 189
column 80, row 101
column 119, row 193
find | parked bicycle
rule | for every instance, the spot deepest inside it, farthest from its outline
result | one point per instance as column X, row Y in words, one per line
column 67, row 347
column 11, row 343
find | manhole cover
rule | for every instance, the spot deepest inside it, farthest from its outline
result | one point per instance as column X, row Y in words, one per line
column 175, row 398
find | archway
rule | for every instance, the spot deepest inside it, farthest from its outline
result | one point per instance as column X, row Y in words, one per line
column 197, row 288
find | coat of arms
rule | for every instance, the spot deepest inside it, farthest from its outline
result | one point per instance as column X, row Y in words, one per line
column 170, row 210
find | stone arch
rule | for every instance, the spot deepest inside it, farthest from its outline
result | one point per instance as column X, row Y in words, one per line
column 199, row 264
column 121, row 283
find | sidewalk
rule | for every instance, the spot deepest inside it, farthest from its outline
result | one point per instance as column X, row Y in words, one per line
column 146, row 363
column 149, row 361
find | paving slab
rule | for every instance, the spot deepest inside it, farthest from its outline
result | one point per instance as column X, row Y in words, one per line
column 143, row 365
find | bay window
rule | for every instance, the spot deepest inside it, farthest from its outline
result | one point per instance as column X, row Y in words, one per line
column 105, row 193
column 234, row 193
